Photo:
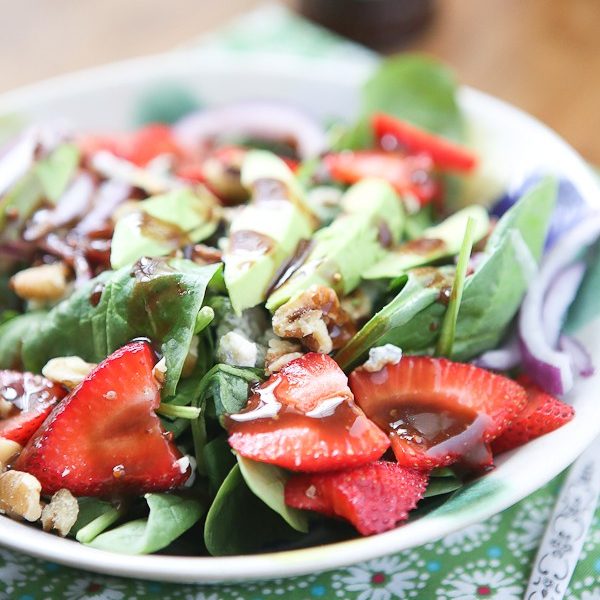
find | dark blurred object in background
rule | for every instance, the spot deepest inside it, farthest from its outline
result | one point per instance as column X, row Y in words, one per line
column 375, row 23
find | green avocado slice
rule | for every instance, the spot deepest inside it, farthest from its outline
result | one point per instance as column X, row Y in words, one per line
column 266, row 232
column 437, row 242
column 162, row 224
column 372, row 218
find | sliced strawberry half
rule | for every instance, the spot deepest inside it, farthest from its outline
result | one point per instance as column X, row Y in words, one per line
column 304, row 419
column 373, row 497
column 436, row 411
column 542, row 414
column 105, row 439
column 407, row 174
column 444, row 153
column 25, row 402
column 138, row 147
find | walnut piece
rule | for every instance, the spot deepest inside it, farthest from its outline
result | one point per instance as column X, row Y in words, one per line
column 316, row 318
column 43, row 284
column 69, row 371
column 280, row 353
column 20, row 495
column 8, row 451
column 60, row 515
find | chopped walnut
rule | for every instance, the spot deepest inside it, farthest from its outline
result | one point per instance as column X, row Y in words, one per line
column 60, row 515
column 20, row 495
column 43, row 284
column 8, row 451
column 316, row 318
column 206, row 255
column 69, row 371
column 280, row 353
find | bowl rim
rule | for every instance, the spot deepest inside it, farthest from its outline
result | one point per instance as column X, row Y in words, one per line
column 319, row 558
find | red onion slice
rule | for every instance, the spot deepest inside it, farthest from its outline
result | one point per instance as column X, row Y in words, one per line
column 580, row 357
column 254, row 119
column 559, row 297
column 17, row 159
column 110, row 194
column 551, row 369
column 18, row 156
column 501, row 359
column 70, row 206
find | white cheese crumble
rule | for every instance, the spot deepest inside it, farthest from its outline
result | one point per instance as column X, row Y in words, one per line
column 236, row 350
column 380, row 356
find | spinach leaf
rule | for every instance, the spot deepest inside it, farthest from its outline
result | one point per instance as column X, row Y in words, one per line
column 493, row 294
column 420, row 90
column 218, row 461
column 11, row 338
column 413, row 87
column 398, row 323
column 227, row 387
column 158, row 299
column 238, row 522
column 268, row 483
column 448, row 330
column 95, row 516
column 443, row 483
column 170, row 516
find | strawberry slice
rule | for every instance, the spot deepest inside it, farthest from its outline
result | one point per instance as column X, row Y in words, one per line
column 544, row 413
column 304, row 419
column 392, row 132
column 25, row 402
column 409, row 175
column 105, row 439
column 138, row 147
column 436, row 411
column 373, row 497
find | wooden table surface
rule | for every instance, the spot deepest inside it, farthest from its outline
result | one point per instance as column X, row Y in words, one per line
column 542, row 55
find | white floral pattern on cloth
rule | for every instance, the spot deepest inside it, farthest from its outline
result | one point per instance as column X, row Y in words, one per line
column 586, row 589
column 528, row 526
column 383, row 578
column 482, row 580
column 467, row 539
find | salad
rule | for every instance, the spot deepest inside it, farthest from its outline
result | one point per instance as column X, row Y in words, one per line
column 247, row 330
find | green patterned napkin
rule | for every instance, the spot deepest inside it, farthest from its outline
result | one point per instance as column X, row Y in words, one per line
column 486, row 561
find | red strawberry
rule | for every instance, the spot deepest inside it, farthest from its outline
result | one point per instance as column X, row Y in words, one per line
column 543, row 414
column 373, row 497
column 138, row 147
column 436, row 411
column 105, row 439
column 32, row 397
column 391, row 132
column 304, row 419
column 407, row 174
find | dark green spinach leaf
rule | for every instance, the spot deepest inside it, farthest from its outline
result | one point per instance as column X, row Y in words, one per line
column 170, row 516
column 159, row 299
column 239, row 522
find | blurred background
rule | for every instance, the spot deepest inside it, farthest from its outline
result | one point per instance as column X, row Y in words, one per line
column 542, row 55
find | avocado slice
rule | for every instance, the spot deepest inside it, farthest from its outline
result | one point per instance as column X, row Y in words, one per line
column 162, row 224
column 266, row 232
column 437, row 242
column 372, row 218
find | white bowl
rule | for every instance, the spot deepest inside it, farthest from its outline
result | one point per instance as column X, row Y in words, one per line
column 512, row 145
